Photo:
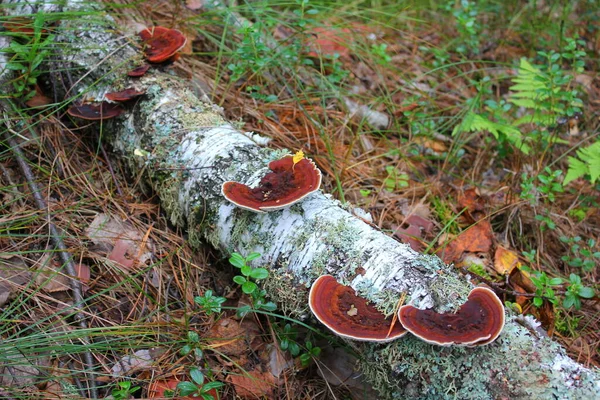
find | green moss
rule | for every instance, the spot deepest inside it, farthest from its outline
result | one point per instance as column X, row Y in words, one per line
column 291, row 302
column 241, row 222
column 200, row 118
column 424, row 371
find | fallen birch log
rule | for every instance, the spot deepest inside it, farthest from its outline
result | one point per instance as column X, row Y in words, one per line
column 185, row 150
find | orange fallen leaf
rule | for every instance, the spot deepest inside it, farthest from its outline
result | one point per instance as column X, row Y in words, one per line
column 474, row 203
column 38, row 100
column 505, row 260
column 329, row 41
column 253, row 384
column 228, row 336
column 476, row 239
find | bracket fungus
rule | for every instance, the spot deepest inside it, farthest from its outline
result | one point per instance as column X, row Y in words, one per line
column 162, row 43
column 95, row 112
column 348, row 315
column 139, row 71
column 477, row 322
column 288, row 183
column 124, row 95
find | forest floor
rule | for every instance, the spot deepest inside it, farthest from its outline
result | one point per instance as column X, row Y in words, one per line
column 465, row 133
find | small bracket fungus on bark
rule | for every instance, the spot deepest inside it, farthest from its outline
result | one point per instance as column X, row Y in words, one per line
column 162, row 43
column 95, row 112
column 288, row 183
column 348, row 315
column 124, row 95
column 477, row 322
column 139, row 71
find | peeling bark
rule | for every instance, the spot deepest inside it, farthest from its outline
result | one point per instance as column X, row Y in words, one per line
column 185, row 150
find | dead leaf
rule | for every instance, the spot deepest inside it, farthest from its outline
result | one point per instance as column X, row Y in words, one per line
column 328, row 41
column 505, row 260
column 52, row 276
column 253, row 384
column 474, row 203
column 121, row 253
column 434, row 145
column 521, row 278
column 14, row 274
column 338, row 367
column 16, row 369
column 228, row 337
column 38, row 100
column 475, row 239
column 413, row 230
column 278, row 360
column 139, row 360
column 120, row 241
column 194, row 4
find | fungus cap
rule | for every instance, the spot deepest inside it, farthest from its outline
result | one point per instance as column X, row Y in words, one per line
column 162, row 43
column 95, row 112
column 139, row 71
column 124, row 95
column 477, row 322
column 348, row 315
column 287, row 184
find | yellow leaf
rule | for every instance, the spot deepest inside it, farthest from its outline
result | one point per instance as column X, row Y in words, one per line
column 298, row 157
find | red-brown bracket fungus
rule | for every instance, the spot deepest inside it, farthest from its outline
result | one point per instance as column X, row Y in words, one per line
column 287, row 184
column 477, row 322
column 348, row 315
column 162, row 43
column 95, row 112
column 124, row 95
column 139, row 71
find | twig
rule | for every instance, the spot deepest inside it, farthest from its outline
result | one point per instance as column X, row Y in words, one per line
column 59, row 244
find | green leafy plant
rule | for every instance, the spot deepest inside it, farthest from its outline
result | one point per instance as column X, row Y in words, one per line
column 248, row 278
column 545, row 287
column 124, row 390
column 210, row 303
column 549, row 185
column 192, row 346
column 395, row 179
column 27, row 57
column 197, row 387
column 587, row 163
column 582, row 254
column 565, row 323
column 575, row 292
column 288, row 342
column 379, row 51
column 544, row 93
column 546, row 222
column 465, row 14
column 311, row 353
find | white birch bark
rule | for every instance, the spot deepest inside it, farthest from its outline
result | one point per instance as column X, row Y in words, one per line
column 185, row 150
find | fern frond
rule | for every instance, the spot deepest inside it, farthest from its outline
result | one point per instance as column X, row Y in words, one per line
column 588, row 163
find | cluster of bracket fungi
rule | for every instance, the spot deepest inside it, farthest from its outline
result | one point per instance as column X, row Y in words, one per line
column 161, row 47
column 477, row 322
